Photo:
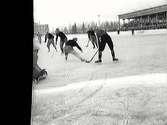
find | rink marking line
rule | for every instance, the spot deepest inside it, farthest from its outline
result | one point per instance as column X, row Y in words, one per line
column 151, row 79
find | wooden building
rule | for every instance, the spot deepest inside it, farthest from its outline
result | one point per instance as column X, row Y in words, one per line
column 151, row 18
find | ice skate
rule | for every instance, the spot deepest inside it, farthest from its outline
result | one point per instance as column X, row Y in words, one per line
column 115, row 59
column 98, row 61
column 83, row 60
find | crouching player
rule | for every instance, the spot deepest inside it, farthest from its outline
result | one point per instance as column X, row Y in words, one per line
column 50, row 38
column 103, row 39
column 68, row 49
column 92, row 38
column 38, row 73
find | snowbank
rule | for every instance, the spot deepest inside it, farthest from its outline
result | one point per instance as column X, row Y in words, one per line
column 150, row 79
column 133, row 100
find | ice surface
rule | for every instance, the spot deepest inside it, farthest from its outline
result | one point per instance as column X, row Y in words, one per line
column 143, row 53
column 139, row 100
column 130, row 92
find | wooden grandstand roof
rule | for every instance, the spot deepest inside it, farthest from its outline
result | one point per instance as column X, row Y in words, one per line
column 149, row 11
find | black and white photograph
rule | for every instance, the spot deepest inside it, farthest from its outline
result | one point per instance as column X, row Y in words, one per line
column 99, row 62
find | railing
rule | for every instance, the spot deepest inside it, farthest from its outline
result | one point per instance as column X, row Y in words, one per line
column 145, row 26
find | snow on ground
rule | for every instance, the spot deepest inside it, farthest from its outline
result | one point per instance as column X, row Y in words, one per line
column 132, row 100
column 131, row 91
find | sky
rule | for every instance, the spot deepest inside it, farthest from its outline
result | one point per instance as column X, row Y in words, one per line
column 60, row 13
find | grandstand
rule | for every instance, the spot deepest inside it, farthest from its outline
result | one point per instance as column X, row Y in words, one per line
column 151, row 18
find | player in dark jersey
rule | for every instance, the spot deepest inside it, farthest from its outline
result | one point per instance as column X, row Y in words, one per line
column 92, row 38
column 39, row 35
column 68, row 49
column 46, row 37
column 63, row 38
column 103, row 39
column 50, row 39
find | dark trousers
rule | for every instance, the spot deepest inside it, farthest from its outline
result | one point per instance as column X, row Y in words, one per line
column 39, row 38
column 106, row 39
column 51, row 41
column 62, row 41
column 93, row 40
